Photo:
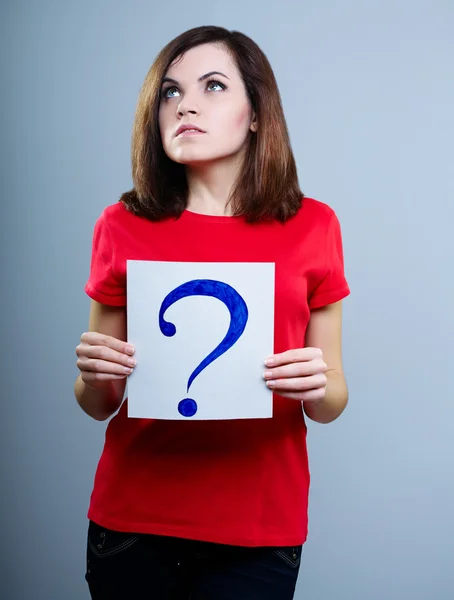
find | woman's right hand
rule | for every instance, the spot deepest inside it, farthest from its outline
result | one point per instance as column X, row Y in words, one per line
column 103, row 359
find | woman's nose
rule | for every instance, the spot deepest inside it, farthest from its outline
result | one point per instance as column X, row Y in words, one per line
column 182, row 110
column 188, row 105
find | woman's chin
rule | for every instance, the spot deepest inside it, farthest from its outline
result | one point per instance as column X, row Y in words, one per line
column 194, row 159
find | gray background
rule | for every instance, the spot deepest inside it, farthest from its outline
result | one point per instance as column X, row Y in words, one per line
column 368, row 90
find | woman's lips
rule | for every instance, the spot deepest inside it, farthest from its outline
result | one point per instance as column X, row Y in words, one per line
column 190, row 133
column 188, row 129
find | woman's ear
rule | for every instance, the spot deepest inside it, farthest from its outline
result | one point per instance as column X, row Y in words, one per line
column 254, row 125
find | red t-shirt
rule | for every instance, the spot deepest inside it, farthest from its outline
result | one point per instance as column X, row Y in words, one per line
column 243, row 482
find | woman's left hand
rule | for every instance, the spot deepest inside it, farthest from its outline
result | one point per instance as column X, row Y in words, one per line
column 297, row 374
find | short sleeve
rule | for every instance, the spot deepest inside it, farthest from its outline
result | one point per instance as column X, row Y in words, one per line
column 102, row 285
column 333, row 287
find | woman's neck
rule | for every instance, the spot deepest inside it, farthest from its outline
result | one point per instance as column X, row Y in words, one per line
column 210, row 187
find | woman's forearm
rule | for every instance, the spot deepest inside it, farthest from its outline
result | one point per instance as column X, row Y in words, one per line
column 100, row 403
column 334, row 402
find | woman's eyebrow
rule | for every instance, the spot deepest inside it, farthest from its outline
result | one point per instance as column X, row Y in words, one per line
column 169, row 80
column 202, row 78
column 212, row 73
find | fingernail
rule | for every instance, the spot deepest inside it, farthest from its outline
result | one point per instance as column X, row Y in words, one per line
column 271, row 383
column 268, row 374
column 128, row 370
column 269, row 362
column 131, row 362
column 129, row 349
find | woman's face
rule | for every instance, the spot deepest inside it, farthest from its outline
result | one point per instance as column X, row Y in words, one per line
column 204, row 90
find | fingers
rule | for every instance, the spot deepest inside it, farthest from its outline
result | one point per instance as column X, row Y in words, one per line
column 297, row 374
column 102, row 358
column 93, row 338
column 293, row 356
column 103, row 366
column 300, row 369
column 96, row 380
column 298, row 384
column 104, row 353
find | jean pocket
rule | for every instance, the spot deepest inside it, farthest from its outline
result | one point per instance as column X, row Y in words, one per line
column 291, row 555
column 103, row 542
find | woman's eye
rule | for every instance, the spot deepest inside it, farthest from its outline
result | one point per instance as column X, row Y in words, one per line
column 215, row 86
column 173, row 92
column 170, row 92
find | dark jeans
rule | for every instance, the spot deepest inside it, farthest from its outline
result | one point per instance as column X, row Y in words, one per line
column 131, row 566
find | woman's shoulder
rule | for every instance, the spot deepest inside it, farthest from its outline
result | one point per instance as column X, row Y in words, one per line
column 117, row 218
column 315, row 208
column 313, row 213
column 116, row 212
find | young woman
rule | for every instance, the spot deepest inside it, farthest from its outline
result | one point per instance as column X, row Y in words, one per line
column 211, row 510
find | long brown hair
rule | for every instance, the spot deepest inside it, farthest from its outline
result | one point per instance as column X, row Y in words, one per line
column 267, row 186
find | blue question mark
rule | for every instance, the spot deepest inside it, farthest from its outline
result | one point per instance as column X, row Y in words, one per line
column 238, row 319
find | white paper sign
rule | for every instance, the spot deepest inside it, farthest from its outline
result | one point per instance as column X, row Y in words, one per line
column 178, row 314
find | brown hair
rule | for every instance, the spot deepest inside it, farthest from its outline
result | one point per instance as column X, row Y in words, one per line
column 267, row 187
